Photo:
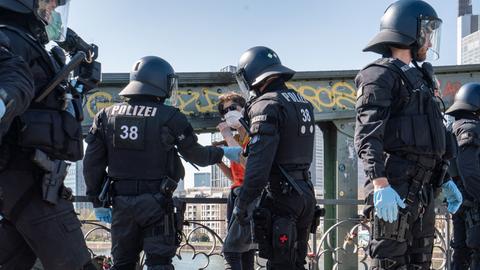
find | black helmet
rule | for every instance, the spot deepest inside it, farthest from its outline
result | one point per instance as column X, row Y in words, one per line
column 257, row 64
column 466, row 99
column 407, row 24
column 151, row 76
column 51, row 15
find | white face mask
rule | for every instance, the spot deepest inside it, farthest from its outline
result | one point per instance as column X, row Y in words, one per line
column 232, row 119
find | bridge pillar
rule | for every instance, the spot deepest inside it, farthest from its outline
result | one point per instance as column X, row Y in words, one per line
column 340, row 174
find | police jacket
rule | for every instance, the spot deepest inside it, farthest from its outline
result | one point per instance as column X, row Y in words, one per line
column 282, row 127
column 396, row 114
column 467, row 131
column 16, row 84
column 134, row 139
column 44, row 125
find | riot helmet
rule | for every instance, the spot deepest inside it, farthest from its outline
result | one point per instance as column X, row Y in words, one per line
column 52, row 14
column 151, row 76
column 256, row 65
column 466, row 99
column 408, row 24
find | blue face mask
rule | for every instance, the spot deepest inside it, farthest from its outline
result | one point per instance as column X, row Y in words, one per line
column 54, row 27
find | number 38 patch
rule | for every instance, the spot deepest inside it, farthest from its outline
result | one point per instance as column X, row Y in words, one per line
column 306, row 122
column 129, row 132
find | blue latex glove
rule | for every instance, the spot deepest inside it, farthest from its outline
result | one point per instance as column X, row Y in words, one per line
column 453, row 195
column 3, row 109
column 103, row 214
column 387, row 201
column 232, row 152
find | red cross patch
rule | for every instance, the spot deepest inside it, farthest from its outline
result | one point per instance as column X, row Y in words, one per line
column 283, row 239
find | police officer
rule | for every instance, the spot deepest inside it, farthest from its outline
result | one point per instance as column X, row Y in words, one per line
column 279, row 156
column 401, row 139
column 36, row 136
column 137, row 141
column 466, row 222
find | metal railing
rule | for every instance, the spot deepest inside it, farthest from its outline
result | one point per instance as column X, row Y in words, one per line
column 322, row 245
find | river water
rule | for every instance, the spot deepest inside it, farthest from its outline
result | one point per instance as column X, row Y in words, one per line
column 187, row 262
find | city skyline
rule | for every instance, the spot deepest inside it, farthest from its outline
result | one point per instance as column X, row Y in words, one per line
column 468, row 34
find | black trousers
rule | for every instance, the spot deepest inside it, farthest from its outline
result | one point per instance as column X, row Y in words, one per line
column 465, row 243
column 50, row 232
column 237, row 260
column 301, row 209
column 240, row 261
column 417, row 249
column 139, row 223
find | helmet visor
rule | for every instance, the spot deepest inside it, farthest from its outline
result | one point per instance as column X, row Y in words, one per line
column 54, row 14
column 429, row 37
column 242, row 81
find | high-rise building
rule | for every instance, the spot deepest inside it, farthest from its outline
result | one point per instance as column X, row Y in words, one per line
column 316, row 168
column 201, row 179
column 75, row 181
column 219, row 180
column 468, row 35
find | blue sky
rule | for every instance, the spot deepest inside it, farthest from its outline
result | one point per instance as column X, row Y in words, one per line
column 207, row 35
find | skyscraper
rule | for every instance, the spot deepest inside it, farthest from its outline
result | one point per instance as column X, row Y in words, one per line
column 218, row 178
column 468, row 34
column 201, row 179
column 316, row 168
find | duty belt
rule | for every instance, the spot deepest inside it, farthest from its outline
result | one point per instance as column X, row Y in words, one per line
column 296, row 174
column 426, row 162
column 135, row 187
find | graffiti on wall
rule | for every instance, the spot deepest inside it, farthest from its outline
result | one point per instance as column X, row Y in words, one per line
column 332, row 96
column 324, row 96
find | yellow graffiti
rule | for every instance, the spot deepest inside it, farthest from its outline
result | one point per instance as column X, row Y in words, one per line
column 98, row 101
column 341, row 95
column 204, row 101
column 193, row 101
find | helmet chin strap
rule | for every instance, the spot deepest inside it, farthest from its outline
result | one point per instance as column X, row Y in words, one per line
column 38, row 29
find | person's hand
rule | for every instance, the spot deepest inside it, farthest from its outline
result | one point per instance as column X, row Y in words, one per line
column 453, row 195
column 103, row 214
column 3, row 109
column 232, row 152
column 386, row 201
column 225, row 130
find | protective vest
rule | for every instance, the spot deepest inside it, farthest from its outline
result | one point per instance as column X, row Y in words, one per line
column 296, row 128
column 133, row 132
column 415, row 125
column 47, row 125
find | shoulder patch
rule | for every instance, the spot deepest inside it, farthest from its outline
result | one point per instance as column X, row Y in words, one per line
column 259, row 118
